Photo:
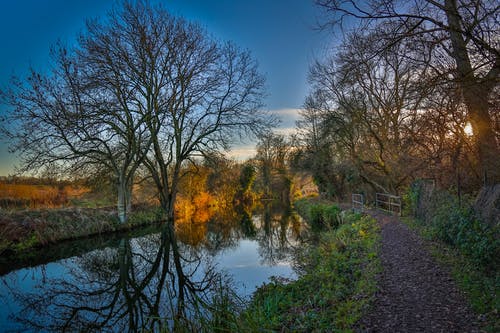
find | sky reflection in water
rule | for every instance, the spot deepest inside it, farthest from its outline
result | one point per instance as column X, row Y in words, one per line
column 139, row 282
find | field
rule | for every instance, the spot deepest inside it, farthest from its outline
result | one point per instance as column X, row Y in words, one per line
column 38, row 196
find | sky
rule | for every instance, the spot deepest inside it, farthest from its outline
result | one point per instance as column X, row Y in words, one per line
column 280, row 34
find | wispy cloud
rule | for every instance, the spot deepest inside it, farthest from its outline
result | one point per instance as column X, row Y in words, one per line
column 242, row 152
column 286, row 130
column 288, row 117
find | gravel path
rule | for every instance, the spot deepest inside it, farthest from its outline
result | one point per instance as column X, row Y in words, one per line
column 415, row 294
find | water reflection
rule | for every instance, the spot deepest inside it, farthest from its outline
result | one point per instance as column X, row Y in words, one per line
column 152, row 282
column 143, row 283
column 280, row 231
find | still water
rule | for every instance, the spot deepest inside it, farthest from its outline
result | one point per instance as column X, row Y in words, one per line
column 145, row 279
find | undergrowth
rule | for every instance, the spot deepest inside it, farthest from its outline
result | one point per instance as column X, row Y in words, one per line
column 318, row 214
column 335, row 285
column 460, row 241
column 453, row 222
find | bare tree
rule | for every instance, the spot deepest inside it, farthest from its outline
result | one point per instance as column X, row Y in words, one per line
column 367, row 100
column 142, row 88
column 272, row 153
column 199, row 92
column 77, row 117
column 464, row 31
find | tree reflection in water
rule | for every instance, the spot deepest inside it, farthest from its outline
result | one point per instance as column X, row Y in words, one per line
column 145, row 283
column 153, row 282
column 279, row 234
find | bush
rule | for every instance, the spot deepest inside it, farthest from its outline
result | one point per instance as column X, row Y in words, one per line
column 318, row 215
column 456, row 224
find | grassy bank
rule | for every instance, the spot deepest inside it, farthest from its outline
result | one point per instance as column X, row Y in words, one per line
column 21, row 230
column 462, row 242
column 481, row 284
column 335, row 285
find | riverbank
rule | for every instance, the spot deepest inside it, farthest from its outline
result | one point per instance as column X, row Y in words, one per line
column 336, row 282
column 21, row 230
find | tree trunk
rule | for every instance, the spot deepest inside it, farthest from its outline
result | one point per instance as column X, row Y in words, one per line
column 122, row 200
column 167, row 204
column 129, row 198
column 482, row 125
column 476, row 94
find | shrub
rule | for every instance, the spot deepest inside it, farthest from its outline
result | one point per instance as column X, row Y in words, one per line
column 456, row 224
column 318, row 215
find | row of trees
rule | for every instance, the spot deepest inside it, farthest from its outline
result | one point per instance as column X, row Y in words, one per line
column 393, row 102
column 142, row 92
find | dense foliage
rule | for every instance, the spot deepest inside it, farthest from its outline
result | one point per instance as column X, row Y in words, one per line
column 470, row 247
column 455, row 223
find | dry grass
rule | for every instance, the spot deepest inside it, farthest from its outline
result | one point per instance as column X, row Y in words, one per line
column 37, row 196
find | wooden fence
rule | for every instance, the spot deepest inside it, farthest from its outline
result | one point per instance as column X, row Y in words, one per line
column 388, row 203
column 357, row 202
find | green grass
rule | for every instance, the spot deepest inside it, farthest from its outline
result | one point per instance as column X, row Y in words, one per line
column 335, row 287
column 22, row 230
column 480, row 284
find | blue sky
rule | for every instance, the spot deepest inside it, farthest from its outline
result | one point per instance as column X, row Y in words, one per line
column 279, row 33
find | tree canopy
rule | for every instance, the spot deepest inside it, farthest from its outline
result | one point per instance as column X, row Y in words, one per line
column 141, row 88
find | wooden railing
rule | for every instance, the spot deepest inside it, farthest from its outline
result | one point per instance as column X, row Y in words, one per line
column 357, row 202
column 388, row 202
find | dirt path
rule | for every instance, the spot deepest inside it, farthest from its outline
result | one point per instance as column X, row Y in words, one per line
column 415, row 294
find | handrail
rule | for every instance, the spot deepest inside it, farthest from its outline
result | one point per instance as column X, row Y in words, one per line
column 357, row 202
column 388, row 202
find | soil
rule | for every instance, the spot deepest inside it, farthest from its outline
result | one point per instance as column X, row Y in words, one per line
column 415, row 294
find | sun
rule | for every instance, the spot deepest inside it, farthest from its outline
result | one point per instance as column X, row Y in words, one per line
column 468, row 129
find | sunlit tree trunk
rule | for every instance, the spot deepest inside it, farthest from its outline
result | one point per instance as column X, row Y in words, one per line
column 486, row 145
column 476, row 95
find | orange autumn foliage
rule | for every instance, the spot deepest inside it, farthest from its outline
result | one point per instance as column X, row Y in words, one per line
column 199, row 209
